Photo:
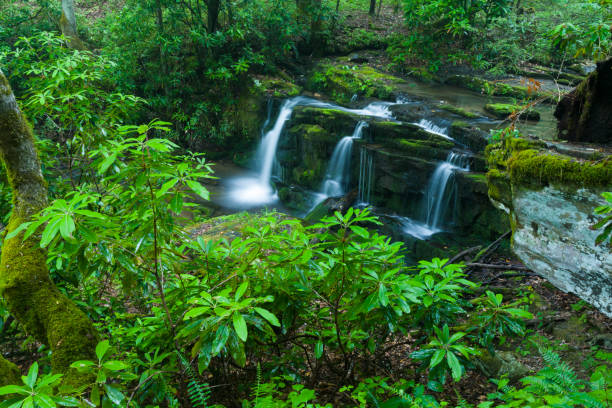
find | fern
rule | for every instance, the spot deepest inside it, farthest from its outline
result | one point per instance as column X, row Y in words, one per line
column 198, row 392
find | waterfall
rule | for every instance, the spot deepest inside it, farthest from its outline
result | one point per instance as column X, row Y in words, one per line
column 245, row 192
column 366, row 174
column 338, row 170
column 441, row 189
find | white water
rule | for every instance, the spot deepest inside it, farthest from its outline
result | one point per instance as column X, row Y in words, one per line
column 441, row 190
column 258, row 191
column 366, row 174
column 433, row 128
column 414, row 228
column 339, row 167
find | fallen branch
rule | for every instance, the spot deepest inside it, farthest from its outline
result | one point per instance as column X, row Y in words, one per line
column 462, row 254
column 498, row 266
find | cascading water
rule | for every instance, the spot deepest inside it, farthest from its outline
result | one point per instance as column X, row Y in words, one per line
column 441, row 190
column 338, row 171
column 366, row 174
column 257, row 191
column 433, row 128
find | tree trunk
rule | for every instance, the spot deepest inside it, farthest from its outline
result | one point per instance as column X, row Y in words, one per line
column 372, row 7
column 585, row 114
column 31, row 296
column 213, row 15
column 68, row 25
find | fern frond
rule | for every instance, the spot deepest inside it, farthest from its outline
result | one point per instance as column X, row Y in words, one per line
column 198, row 392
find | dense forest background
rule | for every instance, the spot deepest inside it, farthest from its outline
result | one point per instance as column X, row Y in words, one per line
column 117, row 289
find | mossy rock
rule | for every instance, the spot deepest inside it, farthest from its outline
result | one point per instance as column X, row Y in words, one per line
column 277, row 87
column 503, row 110
column 528, row 163
column 458, row 111
column 312, row 133
column 422, row 74
column 431, row 149
column 335, row 121
column 341, row 82
column 468, row 135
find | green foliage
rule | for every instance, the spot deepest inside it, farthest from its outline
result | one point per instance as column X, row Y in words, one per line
column 606, row 222
column 555, row 385
column 498, row 320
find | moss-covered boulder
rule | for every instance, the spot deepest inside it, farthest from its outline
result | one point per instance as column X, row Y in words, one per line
column 551, row 199
column 458, row 111
column 342, row 81
column 503, row 110
column 277, row 87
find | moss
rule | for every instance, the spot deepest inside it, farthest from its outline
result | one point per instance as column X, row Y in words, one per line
column 499, row 187
column 458, row 111
column 432, row 149
column 503, row 110
column 312, row 133
column 9, row 373
column 529, row 167
column 343, row 81
column 278, row 87
column 422, row 74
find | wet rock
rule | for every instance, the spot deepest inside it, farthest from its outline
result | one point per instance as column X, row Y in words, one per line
column 331, row 205
column 500, row 364
column 468, row 135
column 585, row 114
column 358, row 58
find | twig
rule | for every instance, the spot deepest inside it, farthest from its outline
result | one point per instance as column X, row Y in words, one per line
column 492, row 246
column 462, row 254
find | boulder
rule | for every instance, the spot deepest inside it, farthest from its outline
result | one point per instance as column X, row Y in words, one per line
column 585, row 114
column 551, row 199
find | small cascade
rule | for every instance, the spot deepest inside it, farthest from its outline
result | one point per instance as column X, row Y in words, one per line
column 441, row 192
column 366, row 174
column 433, row 128
column 338, row 171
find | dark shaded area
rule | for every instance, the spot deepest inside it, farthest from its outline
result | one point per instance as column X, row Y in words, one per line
column 585, row 114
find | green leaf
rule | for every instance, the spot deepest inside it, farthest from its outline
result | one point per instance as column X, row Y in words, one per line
column 318, row 349
column 12, row 389
column 241, row 289
column 454, row 365
column 362, row 232
column 196, row 311
column 436, row 358
column 50, row 232
column 221, row 337
column 160, row 145
column 114, row 394
column 30, row 379
column 115, row 365
column 44, row 401
column 268, row 316
column 198, row 189
column 102, row 348
column 240, row 326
